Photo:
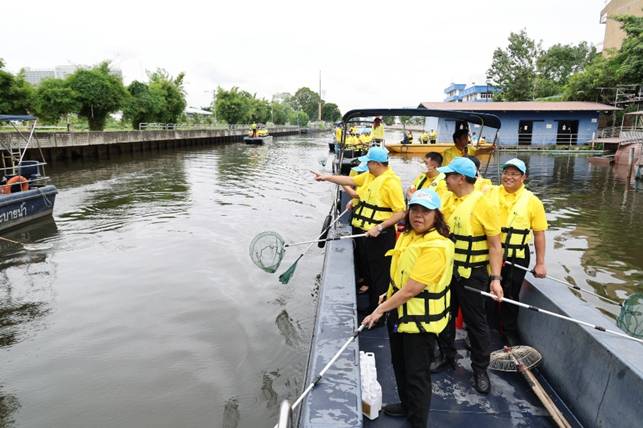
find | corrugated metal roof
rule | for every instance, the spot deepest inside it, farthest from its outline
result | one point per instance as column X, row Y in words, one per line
column 520, row 106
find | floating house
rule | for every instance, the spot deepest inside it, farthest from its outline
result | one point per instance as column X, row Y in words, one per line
column 526, row 122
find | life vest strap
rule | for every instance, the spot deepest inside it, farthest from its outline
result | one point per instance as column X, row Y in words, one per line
column 472, row 265
column 471, row 252
column 467, row 238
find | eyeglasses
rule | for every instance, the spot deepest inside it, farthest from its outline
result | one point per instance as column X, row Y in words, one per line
column 511, row 174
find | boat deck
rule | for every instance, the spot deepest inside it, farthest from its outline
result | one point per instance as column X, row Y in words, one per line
column 454, row 401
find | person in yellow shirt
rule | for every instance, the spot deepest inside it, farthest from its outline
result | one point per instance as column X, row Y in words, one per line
column 431, row 179
column 521, row 213
column 433, row 136
column 377, row 133
column 253, row 130
column 424, row 137
column 381, row 207
column 461, row 147
column 475, row 231
column 418, row 302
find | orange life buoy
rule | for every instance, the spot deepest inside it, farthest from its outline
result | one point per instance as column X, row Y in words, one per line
column 24, row 184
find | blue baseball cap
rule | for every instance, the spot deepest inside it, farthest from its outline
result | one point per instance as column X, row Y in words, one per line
column 375, row 154
column 427, row 198
column 362, row 167
column 462, row 166
column 516, row 163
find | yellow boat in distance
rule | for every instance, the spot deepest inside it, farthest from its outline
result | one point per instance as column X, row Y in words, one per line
column 417, row 148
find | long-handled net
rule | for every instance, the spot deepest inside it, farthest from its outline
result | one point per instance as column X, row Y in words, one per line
column 630, row 319
column 267, row 249
column 508, row 359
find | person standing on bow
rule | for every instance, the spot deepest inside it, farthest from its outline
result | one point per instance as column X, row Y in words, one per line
column 475, row 230
column 431, row 179
column 418, row 298
column 377, row 132
column 521, row 213
column 461, row 147
column 381, row 206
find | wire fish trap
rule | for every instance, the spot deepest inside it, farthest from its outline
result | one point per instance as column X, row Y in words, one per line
column 630, row 319
column 267, row 249
column 507, row 360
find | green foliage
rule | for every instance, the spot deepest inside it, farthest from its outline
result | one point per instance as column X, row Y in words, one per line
column 232, row 106
column 99, row 94
column 170, row 91
column 307, row 101
column 621, row 67
column 260, row 111
column 15, row 92
column 143, row 105
column 330, row 112
column 514, row 69
column 280, row 113
column 388, row 120
column 555, row 66
column 299, row 118
column 54, row 99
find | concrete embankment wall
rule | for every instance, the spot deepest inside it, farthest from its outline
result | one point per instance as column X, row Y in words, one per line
column 58, row 146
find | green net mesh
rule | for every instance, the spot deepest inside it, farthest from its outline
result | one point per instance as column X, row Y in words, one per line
column 502, row 360
column 630, row 320
column 267, row 250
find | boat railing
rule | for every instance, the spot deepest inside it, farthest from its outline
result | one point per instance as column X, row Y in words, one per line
column 285, row 415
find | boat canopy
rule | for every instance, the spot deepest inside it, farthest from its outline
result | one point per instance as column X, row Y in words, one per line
column 484, row 119
column 19, row 117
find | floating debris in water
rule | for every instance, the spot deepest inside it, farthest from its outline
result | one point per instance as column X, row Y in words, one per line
column 231, row 413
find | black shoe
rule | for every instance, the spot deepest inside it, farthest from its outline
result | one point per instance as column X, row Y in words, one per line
column 481, row 382
column 395, row 410
column 442, row 363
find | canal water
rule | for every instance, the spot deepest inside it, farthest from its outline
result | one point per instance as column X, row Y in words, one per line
column 147, row 311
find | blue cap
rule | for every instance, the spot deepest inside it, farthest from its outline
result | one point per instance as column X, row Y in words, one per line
column 462, row 166
column 375, row 154
column 362, row 167
column 427, row 198
column 516, row 163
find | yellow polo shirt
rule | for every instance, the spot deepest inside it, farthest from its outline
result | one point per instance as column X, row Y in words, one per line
column 392, row 194
column 537, row 217
column 453, row 152
column 484, row 220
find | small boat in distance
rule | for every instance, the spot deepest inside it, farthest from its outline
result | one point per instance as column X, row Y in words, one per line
column 260, row 137
column 25, row 192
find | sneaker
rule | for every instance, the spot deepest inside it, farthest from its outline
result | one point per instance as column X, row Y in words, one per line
column 395, row 410
column 481, row 382
column 442, row 363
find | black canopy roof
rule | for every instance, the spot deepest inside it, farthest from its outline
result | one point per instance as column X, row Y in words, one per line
column 9, row 117
column 484, row 119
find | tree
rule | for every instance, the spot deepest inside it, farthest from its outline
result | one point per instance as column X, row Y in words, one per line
column 15, row 92
column 307, row 101
column 232, row 106
column 513, row 69
column 172, row 93
column 260, row 111
column 280, row 113
column 299, row 118
column 99, row 94
column 388, row 120
column 143, row 104
column 53, row 99
column 330, row 112
column 555, row 66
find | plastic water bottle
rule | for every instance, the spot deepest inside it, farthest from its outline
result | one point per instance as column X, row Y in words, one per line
column 371, row 389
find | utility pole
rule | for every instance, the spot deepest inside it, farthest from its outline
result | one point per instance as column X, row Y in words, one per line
column 320, row 98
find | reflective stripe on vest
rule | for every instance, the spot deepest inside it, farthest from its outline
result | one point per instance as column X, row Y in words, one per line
column 427, row 312
column 371, row 212
column 516, row 234
column 471, row 251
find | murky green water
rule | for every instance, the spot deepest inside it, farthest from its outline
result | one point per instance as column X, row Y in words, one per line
column 148, row 312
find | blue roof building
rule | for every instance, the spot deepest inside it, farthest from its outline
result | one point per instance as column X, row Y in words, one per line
column 526, row 122
column 458, row 92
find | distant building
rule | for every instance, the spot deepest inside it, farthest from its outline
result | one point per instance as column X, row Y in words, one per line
column 459, row 92
column 614, row 35
column 35, row 76
column 526, row 122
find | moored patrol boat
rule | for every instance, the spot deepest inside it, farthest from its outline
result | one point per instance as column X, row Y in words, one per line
column 25, row 194
column 594, row 379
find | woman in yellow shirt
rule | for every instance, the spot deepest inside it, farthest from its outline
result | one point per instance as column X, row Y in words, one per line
column 418, row 299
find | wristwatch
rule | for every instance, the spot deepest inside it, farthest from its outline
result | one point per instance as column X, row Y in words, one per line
column 495, row 277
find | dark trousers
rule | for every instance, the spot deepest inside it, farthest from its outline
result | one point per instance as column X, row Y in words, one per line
column 504, row 316
column 373, row 266
column 475, row 317
column 411, row 355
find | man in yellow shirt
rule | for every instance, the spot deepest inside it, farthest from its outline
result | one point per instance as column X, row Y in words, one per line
column 381, row 206
column 433, row 136
column 521, row 212
column 424, row 138
column 431, row 179
column 475, row 231
column 377, row 132
column 461, row 147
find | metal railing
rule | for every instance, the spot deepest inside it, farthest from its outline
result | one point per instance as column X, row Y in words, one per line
column 621, row 131
column 196, row 126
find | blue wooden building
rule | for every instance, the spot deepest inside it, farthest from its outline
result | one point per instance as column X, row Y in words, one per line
column 526, row 122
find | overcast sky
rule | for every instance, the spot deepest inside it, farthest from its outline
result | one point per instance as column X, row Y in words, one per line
column 371, row 53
